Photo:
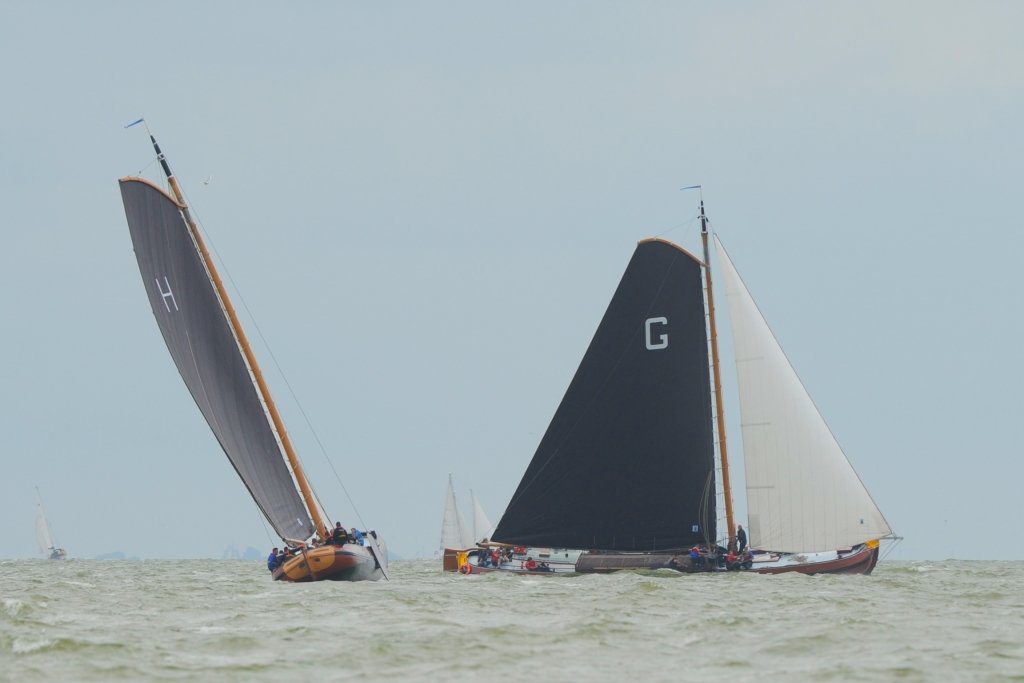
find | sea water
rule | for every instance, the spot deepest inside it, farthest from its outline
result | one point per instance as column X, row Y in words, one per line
column 226, row 620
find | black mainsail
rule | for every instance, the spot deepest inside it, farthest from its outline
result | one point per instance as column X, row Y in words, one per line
column 194, row 325
column 627, row 463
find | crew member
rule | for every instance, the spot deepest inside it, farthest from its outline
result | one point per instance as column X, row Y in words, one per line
column 741, row 538
column 338, row 534
column 272, row 560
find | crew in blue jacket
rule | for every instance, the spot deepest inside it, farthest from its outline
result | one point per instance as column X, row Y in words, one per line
column 273, row 560
column 358, row 536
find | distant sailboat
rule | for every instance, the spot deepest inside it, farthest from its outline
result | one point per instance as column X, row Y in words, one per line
column 212, row 354
column 456, row 535
column 482, row 528
column 44, row 534
column 455, row 532
column 625, row 476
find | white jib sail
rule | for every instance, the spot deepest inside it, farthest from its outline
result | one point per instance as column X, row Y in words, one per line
column 481, row 525
column 455, row 533
column 43, row 535
column 802, row 493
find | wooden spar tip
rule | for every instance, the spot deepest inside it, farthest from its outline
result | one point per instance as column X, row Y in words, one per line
column 137, row 179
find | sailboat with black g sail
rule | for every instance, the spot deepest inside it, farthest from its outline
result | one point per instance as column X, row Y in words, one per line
column 213, row 356
column 625, row 477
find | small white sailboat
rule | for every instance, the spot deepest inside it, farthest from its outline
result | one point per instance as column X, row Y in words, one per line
column 456, row 535
column 482, row 527
column 44, row 534
column 455, row 532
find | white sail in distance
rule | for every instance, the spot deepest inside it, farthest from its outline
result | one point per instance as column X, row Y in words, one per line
column 43, row 536
column 482, row 527
column 455, row 533
column 803, row 495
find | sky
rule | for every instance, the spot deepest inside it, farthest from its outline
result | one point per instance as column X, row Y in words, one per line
column 427, row 206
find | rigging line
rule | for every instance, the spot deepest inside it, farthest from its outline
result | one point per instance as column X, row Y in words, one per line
column 684, row 225
column 263, row 522
column 143, row 169
column 277, row 365
column 895, row 541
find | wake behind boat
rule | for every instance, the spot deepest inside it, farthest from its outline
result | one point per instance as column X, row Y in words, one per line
column 625, row 476
column 213, row 356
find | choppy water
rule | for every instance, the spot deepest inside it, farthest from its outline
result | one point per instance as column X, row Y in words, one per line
column 205, row 619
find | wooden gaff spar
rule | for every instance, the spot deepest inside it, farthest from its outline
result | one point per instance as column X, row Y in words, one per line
column 213, row 356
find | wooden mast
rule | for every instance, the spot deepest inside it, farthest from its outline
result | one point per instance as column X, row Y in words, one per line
column 719, row 409
column 243, row 343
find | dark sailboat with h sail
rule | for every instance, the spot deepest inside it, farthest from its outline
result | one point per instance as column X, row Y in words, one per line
column 213, row 356
column 625, row 475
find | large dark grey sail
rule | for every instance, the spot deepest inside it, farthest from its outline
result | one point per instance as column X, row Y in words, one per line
column 204, row 349
column 627, row 462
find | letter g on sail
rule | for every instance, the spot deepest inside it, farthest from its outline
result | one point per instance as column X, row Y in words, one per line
column 662, row 342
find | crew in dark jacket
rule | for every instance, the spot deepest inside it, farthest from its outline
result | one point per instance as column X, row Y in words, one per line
column 741, row 537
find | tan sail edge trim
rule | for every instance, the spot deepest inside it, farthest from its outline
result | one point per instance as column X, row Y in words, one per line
column 136, row 179
column 673, row 245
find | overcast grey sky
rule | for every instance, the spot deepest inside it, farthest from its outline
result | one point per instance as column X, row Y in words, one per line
column 427, row 207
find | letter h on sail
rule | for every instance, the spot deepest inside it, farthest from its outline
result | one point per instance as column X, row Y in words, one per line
column 166, row 295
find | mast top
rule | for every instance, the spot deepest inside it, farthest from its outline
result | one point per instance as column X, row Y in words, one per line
column 703, row 216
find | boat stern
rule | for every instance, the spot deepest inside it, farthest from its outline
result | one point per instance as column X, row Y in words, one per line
column 349, row 562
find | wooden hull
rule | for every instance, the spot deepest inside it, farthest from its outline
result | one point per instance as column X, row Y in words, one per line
column 349, row 562
column 860, row 561
column 474, row 569
column 450, row 560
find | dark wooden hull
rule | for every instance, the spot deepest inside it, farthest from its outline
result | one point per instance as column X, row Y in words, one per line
column 450, row 560
column 474, row 569
column 330, row 563
column 862, row 560
column 605, row 563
